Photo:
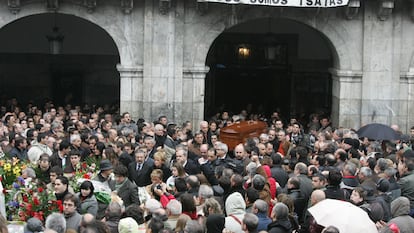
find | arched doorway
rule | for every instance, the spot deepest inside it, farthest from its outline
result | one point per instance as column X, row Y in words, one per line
column 84, row 71
column 270, row 65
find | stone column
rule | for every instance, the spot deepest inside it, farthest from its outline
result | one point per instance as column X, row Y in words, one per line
column 193, row 90
column 381, row 65
column 407, row 97
column 346, row 98
column 131, row 90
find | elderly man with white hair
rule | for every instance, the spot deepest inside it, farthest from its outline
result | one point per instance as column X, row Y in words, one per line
column 225, row 161
column 174, row 210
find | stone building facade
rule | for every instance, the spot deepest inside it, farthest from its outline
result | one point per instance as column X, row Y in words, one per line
column 163, row 45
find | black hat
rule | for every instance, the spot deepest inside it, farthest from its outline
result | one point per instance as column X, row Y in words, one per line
column 105, row 165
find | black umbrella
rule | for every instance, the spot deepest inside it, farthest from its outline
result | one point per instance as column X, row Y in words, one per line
column 378, row 132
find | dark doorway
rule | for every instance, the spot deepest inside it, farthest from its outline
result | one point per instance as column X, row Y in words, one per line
column 84, row 72
column 268, row 65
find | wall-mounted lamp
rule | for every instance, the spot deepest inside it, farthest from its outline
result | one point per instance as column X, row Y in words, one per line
column 164, row 6
column 55, row 39
column 127, row 6
column 90, row 5
column 385, row 9
column 352, row 9
column 14, row 6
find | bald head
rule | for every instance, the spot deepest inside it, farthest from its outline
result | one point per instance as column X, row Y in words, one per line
column 317, row 196
column 88, row 218
column 239, row 152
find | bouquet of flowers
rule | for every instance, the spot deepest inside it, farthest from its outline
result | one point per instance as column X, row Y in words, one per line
column 10, row 169
column 35, row 201
column 83, row 171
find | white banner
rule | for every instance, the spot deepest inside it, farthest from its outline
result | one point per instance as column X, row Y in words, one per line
column 292, row 3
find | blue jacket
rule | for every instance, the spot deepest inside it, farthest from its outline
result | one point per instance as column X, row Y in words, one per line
column 264, row 221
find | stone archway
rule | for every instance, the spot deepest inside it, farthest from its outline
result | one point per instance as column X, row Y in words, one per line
column 296, row 81
column 84, row 72
column 346, row 71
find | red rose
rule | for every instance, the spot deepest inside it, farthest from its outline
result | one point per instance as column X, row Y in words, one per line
column 61, row 208
column 86, row 176
column 1, row 178
column 31, row 191
column 4, row 191
column 40, row 189
column 25, row 199
column 38, row 215
column 36, row 201
column 29, row 207
column 84, row 165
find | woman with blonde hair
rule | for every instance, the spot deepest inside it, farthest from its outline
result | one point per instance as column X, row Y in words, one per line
column 156, row 182
column 159, row 163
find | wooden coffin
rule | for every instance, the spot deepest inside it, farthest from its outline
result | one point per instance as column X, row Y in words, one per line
column 239, row 132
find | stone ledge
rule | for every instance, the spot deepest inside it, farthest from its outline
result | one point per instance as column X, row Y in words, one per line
column 130, row 71
column 196, row 72
column 351, row 76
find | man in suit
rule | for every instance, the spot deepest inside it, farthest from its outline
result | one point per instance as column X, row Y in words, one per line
column 140, row 170
column 190, row 166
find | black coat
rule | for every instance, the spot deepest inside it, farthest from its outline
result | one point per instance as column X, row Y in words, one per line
column 55, row 160
column 280, row 175
column 300, row 203
column 280, row 226
column 191, row 168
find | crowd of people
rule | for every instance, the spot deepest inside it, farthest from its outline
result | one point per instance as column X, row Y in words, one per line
column 165, row 177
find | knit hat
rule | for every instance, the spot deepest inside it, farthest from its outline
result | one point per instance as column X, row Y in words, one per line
column 128, row 225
